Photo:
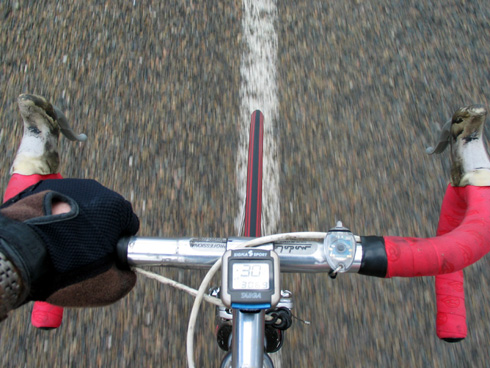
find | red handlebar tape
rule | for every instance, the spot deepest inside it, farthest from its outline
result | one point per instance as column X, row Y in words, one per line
column 452, row 251
column 463, row 238
column 18, row 183
column 451, row 311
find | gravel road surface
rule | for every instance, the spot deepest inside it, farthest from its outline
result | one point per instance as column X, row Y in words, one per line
column 362, row 86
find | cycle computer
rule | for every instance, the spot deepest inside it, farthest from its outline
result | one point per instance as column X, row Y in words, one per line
column 250, row 279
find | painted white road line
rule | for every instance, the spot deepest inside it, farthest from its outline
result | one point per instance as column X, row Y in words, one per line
column 258, row 90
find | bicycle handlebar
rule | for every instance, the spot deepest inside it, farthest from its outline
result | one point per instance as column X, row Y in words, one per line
column 388, row 256
column 463, row 238
column 201, row 253
column 463, row 234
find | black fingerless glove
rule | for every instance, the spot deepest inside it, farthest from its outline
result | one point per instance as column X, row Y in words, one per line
column 69, row 259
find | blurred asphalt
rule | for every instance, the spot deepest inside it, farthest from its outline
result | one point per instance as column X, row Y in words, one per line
column 363, row 86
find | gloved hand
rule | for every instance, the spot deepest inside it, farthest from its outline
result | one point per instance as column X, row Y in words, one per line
column 68, row 259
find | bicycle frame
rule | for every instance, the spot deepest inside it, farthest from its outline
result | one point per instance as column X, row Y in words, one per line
column 249, row 328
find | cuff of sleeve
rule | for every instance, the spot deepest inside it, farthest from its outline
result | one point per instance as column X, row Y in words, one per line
column 12, row 290
column 24, row 248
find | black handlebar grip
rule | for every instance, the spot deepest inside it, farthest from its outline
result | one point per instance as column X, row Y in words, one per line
column 374, row 259
column 122, row 253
